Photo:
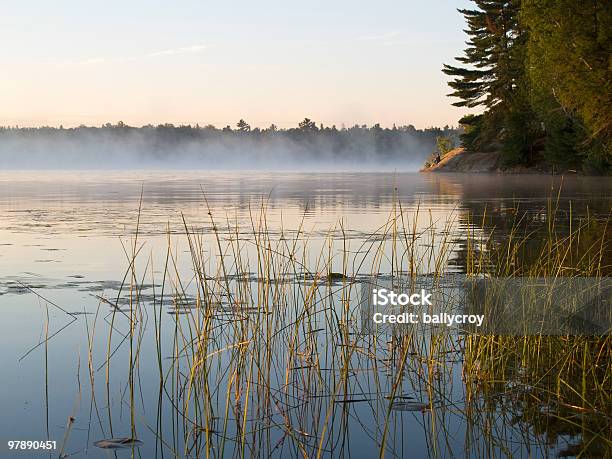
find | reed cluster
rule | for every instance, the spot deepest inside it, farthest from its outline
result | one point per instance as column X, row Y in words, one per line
column 260, row 350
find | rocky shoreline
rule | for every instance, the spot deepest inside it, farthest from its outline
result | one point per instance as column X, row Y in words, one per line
column 459, row 160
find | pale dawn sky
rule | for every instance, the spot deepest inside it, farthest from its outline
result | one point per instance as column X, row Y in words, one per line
column 337, row 62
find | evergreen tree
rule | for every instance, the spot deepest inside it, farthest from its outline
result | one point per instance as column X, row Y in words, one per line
column 489, row 77
column 243, row 126
column 568, row 65
column 493, row 76
column 540, row 69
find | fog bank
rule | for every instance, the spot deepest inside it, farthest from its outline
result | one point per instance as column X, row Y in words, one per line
column 194, row 147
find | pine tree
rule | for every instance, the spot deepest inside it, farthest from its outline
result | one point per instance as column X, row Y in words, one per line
column 493, row 76
column 540, row 69
column 489, row 72
column 570, row 77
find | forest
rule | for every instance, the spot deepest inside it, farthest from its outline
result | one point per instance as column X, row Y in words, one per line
column 539, row 73
column 240, row 146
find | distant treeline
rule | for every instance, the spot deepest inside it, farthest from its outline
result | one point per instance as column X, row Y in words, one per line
column 167, row 145
column 541, row 69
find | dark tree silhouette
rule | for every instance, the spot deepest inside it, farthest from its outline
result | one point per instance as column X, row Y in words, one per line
column 243, row 126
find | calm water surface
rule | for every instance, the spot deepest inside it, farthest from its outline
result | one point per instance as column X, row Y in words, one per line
column 66, row 239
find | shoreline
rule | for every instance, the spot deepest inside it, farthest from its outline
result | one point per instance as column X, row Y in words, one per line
column 459, row 160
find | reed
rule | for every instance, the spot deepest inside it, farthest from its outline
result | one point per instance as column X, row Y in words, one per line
column 266, row 355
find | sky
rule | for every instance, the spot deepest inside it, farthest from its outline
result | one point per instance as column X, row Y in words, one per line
column 186, row 62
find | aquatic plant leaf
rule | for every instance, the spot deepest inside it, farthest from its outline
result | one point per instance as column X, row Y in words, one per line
column 117, row 443
column 409, row 406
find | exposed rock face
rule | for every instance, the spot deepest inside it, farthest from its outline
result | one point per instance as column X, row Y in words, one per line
column 458, row 160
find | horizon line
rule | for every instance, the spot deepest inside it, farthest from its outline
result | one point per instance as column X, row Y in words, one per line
column 220, row 126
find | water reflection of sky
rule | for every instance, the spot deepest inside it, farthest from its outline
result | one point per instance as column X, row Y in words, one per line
column 62, row 224
column 65, row 235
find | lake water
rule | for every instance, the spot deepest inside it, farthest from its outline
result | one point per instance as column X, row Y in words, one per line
column 67, row 240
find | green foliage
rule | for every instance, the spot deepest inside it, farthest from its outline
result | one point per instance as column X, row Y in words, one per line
column 472, row 129
column 596, row 158
column 541, row 71
column 568, row 62
column 492, row 75
column 518, row 137
column 561, row 144
column 487, row 77
column 443, row 144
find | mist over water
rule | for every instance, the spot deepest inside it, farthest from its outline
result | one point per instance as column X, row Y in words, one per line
column 186, row 147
